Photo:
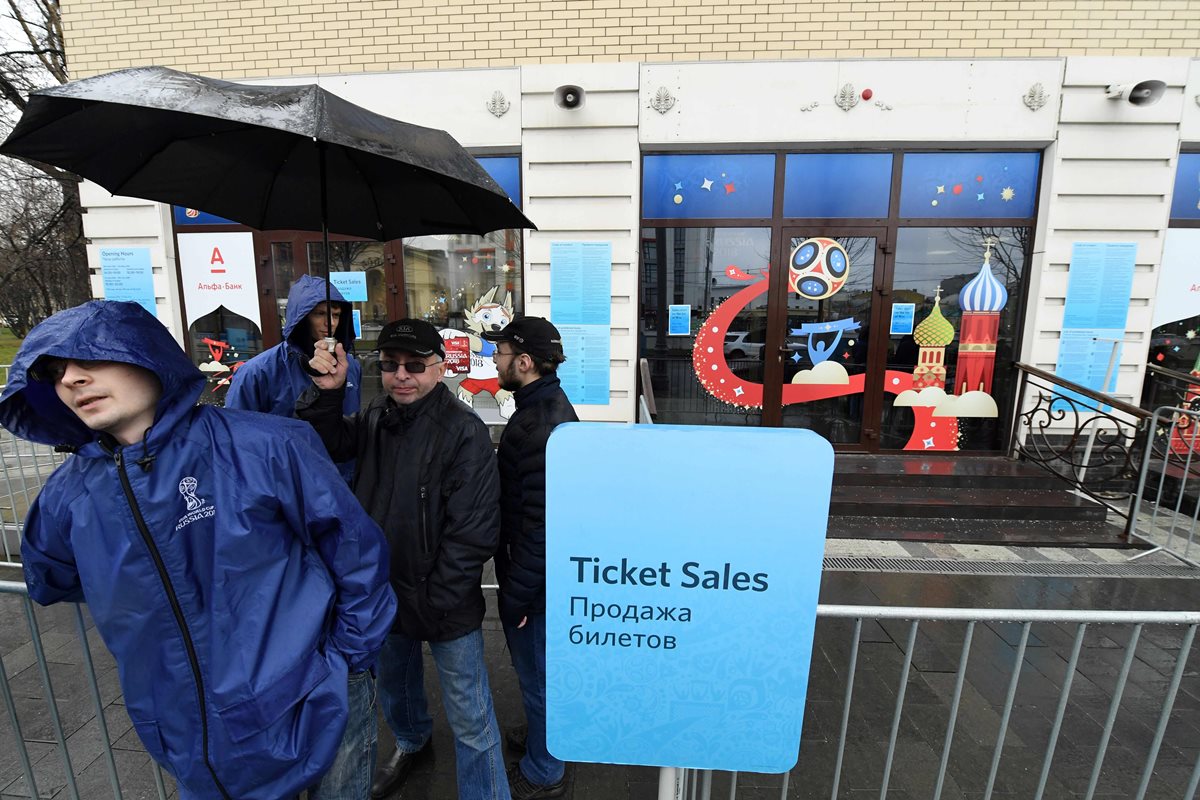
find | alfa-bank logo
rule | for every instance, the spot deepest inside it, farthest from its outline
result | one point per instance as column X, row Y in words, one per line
column 196, row 506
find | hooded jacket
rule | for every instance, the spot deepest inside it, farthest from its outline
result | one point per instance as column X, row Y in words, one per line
column 273, row 380
column 521, row 560
column 427, row 474
column 228, row 568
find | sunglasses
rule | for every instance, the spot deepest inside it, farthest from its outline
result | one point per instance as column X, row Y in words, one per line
column 51, row 370
column 411, row 367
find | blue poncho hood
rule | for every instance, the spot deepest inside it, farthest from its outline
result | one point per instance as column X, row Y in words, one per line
column 304, row 296
column 101, row 330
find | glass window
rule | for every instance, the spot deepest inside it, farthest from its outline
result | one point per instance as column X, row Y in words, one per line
column 506, row 171
column 965, row 325
column 1185, row 203
column 828, row 338
column 467, row 284
column 283, row 269
column 964, row 185
column 712, row 271
column 1175, row 340
column 826, row 185
column 720, row 186
column 371, row 314
column 221, row 341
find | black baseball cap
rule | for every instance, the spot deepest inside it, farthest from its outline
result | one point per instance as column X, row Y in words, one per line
column 536, row 336
column 412, row 336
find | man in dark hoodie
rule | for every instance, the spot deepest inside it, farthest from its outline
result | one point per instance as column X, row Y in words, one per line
column 426, row 473
column 273, row 380
column 238, row 583
column 528, row 352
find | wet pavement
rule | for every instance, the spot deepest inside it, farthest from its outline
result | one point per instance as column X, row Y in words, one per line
column 921, row 734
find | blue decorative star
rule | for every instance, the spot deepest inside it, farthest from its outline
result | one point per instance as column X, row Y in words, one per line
column 979, row 196
column 796, row 357
column 679, row 184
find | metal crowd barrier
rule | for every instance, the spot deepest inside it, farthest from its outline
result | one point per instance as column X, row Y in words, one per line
column 1162, row 630
column 690, row 784
column 24, row 467
column 68, row 772
column 1170, row 471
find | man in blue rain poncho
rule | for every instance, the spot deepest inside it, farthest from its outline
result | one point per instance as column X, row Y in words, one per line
column 238, row 583
column 273, row 380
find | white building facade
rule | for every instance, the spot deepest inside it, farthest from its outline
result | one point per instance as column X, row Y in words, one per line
column 917, row 172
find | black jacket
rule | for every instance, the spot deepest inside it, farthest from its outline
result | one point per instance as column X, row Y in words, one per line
column 521, row 560
column 426, row 474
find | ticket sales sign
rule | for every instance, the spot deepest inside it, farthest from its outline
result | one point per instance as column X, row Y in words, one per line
column 681, row 592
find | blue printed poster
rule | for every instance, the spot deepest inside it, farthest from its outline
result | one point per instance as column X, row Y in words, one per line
column 679, row 320
column 1097, row 303
column 679, row 634
column 352, row 285
column 581, row 309
column 128, row 275
column 902, row 319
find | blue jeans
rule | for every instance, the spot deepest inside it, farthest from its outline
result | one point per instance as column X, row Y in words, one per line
column 528, row 649
column 349, row 778
column 468, row 702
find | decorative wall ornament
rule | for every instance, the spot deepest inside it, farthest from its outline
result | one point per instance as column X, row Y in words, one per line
column 1035, row 98
column 810, row 106
column 498, row 105
column 663, row 100
column 847, row 98
column 882, row 106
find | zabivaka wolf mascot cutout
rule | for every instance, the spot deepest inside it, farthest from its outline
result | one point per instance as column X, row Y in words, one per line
column 473, row 358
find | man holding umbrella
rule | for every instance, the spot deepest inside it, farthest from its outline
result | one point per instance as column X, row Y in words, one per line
column 272, row 380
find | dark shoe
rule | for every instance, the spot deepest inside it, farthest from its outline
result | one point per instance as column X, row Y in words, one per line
column 391, row 773
column 514, row 738
column 524, row 789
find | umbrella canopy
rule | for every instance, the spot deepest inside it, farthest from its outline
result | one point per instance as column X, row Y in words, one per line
column 271, row 157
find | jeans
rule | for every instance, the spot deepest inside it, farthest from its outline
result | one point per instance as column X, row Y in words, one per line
column 468, row 702
column 527, row 646
column 349, row 778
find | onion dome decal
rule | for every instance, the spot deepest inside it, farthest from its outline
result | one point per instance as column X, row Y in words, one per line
column 935, row 330
column 984, row 293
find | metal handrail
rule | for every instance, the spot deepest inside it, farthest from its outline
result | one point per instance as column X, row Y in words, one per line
column 1099, row 397
column 1065, row 616
column 1170, row 373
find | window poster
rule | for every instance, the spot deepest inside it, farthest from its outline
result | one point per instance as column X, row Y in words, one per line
column 128, row 275
column 1097, row 304
column 352, row 285
column 581, row 309
column 218, row 269
column 903, row 316
column 1178, row 295
column 679, row 320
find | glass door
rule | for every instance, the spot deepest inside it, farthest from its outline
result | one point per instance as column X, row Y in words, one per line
column 954, row 312
column 830, row 381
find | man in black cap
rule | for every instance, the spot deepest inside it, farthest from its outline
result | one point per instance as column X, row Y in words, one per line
column 427, row 474
column 528, row 352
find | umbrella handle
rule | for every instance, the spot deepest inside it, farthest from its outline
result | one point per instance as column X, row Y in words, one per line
column 330, row 343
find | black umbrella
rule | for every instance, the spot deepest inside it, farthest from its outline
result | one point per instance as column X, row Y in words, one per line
column 271, row 157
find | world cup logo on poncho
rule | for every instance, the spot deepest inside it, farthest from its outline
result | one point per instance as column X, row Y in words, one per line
column 187, row 488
